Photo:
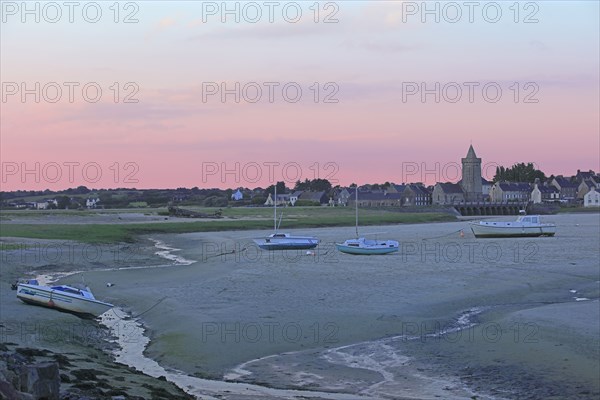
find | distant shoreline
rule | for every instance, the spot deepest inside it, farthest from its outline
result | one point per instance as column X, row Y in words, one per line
column 127, row 226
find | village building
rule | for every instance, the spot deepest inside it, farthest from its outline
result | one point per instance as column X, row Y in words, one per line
column 585, row 186
column 447, row 193
column 544, row 194
column 92, row 202
column 376, row 199
column 471, row 176
column 592, row 198
column 237, row 195
column 415, row 195
column 567, row 189
column 503, row 192
column 306, row 195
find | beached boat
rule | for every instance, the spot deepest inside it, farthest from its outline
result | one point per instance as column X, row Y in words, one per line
column 362, row 246
column 285, row 241
column 63, row 298
column 524, row 226
column 365, row 247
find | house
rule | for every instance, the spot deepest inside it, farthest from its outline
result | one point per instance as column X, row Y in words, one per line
column 342, row 196
column 586, row 176
column 486, row 188
column 585, row 186
column 447, row 193
column 416, row 195
column 315, row 197
column 294, row 197
column 46, row 204
column 396, row 188
column 510, row 191
column 238, row 195
column 592, row 198
column 377, row 199
column 92, row 202
column 567, row 189
column 544, row 194
column 282, row 200
column 269, row 201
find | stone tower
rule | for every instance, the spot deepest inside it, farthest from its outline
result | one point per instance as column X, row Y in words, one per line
column 471, row 176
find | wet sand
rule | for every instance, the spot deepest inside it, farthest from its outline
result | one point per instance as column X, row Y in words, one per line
column 377, row 327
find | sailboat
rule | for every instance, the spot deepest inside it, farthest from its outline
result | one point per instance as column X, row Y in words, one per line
column 362, row 246
column 285, row 241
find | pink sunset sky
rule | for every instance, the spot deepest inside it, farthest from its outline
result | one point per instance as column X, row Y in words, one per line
column 361, row 68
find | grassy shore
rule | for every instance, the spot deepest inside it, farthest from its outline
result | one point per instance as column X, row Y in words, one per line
column 234, row 219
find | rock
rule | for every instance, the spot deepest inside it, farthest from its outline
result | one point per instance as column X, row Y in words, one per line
column 42, row 380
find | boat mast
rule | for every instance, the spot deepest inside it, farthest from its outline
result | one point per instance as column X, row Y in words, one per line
column 275, row 210
column 356, row 209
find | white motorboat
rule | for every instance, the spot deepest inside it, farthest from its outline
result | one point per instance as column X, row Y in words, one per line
column 285, row 241
column 362, row 246
column 524, row 226
column 63, row 298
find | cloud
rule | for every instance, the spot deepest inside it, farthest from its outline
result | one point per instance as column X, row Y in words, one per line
column 166, row 22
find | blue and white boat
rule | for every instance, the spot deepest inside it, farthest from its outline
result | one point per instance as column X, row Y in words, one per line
column 63, row 298
column 362, row 246
column 366, row 247
column 285, row 241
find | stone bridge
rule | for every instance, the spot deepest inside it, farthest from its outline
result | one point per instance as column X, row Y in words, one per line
column 485, row 208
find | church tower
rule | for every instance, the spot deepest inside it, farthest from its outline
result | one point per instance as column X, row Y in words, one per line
column 471, row 176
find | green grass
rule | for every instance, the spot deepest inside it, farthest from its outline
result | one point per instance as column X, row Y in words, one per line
column 12, row 246
column 256, row 218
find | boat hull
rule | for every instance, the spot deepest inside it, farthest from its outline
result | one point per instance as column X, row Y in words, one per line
column 56, row 299
column 502, row 231
column 364, row 251
column 276, row 244
column 365, row 247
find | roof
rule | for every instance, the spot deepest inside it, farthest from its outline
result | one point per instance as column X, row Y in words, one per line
column 547, row 189
column 450, row 187
column 589, row 183
column 483, row 182
column 586, row 174
column 564, row 182
column 312, row 196
column 418, row 189
column 471, row 152
column 378, row 196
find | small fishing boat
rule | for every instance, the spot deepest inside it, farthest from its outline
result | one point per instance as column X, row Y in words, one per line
column 285, row 241
column 524, row 226
column 63, row 298
column 366, row 247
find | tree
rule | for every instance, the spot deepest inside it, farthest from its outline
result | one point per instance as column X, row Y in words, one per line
column 314, row 185
column 520, row 172
column 63, row 202
column 258, row 200
column 281, row 189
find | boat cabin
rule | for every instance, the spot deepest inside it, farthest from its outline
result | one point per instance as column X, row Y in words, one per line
column 529, row 219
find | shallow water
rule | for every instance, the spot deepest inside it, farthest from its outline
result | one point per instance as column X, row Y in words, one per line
column 439, row 319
